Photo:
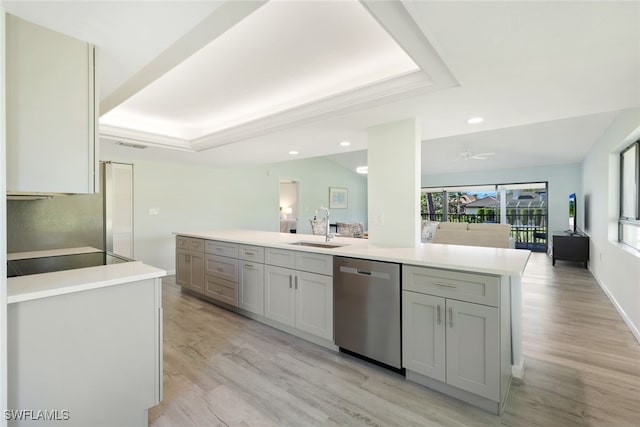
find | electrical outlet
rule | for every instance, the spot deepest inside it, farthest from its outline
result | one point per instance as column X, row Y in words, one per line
column 154, row 211
column 378, row 219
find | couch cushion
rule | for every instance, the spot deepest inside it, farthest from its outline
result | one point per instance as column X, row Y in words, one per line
column 502, row 229
column 471, row 238
column 453, row 225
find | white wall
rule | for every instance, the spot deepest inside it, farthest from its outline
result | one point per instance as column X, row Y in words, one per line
column 612, row 264
column 393, row 159
column 563, row 180
column 194, row 198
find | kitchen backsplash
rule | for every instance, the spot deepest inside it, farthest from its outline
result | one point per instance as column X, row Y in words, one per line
column 59, row 222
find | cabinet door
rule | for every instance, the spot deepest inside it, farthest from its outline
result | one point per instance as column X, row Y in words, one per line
column 423, row 334
column 197, row 271
column 251, row 294
column 183, row 268
column 473, row 348
column 51, row 111
column 314, row 304
column 279, row 298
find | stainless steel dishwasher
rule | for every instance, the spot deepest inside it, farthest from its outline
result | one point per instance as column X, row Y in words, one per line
column 366, row 297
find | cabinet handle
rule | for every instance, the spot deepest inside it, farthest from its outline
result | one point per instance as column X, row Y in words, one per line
column 296, row 283
column 187, row 258
column 249, row 265
column 219, row 249
column 450, row 317
column 438, row 312
column 444, row 285
column 290, row 281
column 249, row 253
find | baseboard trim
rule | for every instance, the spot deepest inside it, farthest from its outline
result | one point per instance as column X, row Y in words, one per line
column 518, row 370
column 633, row 328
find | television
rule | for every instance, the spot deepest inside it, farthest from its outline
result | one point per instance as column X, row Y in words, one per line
column 572, row 213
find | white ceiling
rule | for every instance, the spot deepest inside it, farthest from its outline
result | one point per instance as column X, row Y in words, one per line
column 548, row 77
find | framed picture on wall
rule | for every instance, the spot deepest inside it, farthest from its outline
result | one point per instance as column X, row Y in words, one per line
column 338, row 198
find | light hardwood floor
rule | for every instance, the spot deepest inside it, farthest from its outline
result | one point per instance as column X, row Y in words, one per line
column 582, row 368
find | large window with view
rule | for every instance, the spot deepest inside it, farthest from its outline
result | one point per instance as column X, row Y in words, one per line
column 629, row 222
column 523, row 206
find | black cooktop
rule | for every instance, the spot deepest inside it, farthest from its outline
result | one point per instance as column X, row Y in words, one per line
column 25, row 267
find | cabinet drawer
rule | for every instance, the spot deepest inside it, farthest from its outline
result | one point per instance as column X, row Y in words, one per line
column 280, row 258
column 222, row 290
column 251, row 253
column 314, row 263
column 221, row 248
column 221, row 267
column 190, row 243
column 471, row 287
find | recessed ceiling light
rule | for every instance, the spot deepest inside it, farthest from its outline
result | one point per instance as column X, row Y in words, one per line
column 362, row 169
column 345, row 144
column 293, row 152
column 475, row 120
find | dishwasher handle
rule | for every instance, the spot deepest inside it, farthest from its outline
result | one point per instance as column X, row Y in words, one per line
column 366, row 273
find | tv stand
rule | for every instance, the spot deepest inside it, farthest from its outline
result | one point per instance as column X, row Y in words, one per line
column 570, row 247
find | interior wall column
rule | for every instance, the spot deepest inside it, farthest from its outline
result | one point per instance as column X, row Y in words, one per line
column 394, row 183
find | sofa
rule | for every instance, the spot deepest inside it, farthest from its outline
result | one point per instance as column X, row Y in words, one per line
column 467, row 234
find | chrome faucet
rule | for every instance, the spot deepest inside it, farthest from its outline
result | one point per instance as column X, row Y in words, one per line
column 327, row 235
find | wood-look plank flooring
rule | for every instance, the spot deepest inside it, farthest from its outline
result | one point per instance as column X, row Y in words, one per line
column 582, row 368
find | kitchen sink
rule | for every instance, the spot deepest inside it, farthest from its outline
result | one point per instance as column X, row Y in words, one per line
column 316, row 245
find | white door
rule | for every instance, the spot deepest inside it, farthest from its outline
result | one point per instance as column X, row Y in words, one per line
column 473, row 348
column 279, row 295
column 314, row 304
column 251, row 294
column 423, row 334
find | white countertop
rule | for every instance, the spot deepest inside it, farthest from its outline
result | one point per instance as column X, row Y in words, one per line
column 25, row 288
column 510, row 262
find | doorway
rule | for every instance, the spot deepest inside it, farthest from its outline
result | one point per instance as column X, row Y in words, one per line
column 289, row 203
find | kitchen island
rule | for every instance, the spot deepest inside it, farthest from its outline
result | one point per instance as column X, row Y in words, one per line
column 85, row 344
column 461, row 304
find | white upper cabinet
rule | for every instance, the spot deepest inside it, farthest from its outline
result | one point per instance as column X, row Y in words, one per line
column 51, row 111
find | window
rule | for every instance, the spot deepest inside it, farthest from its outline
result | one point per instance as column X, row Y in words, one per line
column 522, row 205
column 629, row 222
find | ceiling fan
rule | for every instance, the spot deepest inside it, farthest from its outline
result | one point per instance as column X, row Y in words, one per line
column 468, row 155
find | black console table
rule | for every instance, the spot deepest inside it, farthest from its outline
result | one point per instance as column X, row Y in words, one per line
column 570, row 247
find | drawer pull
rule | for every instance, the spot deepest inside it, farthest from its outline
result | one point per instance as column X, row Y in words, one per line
column 445, row 285
column 219, row 269
column 249, row 253
column 249, row 265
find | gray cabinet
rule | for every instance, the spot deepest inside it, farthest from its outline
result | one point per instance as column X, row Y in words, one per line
column 221, row 271
column 251, row 295
column 51, row 105
column 190, row 263
column 452, row 343
column 297, row 298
